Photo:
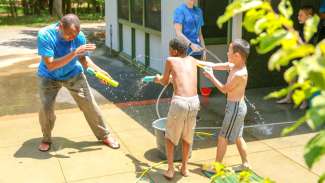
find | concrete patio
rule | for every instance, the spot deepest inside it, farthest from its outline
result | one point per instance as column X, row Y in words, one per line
column 77, row 157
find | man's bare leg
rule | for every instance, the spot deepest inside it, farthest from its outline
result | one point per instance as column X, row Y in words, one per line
column 221, row 148
column 169, row 174
column 185, row 157
column 242, row 149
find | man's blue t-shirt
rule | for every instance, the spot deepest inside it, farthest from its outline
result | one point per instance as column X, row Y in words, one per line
column 192, row 21
column 51, row 44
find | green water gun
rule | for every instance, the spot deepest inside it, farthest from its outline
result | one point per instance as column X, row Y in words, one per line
column 102, row 76
column 148, row 79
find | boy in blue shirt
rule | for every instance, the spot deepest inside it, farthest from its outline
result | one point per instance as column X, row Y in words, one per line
column 63, row 49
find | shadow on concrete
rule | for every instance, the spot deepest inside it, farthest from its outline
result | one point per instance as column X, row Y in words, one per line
column 29, row 148
column 27, row 41
column 154, row 172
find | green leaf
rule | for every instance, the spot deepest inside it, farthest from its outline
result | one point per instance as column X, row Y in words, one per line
column 290, row 74
column 293, row 127
column 270, row 41
column 321, row 178
column 317, row 75
column 285, row 8
column 314, row 149
column 283, row 56
column 251, row 17
column 316, row 113
column 284, row 91
column 298, row 97
column 236, row 7
column 311, row 27
column 277, row 94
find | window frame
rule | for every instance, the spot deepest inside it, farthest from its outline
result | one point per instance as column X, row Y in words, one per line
column 143, row 27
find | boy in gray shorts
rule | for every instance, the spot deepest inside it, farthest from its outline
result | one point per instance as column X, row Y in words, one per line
column 185, row 103
column 233, row 123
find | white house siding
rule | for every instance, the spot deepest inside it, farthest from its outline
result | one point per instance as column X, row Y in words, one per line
column 140, row 46
column 167, row 27
column 111, row 19
column 127, row 40
column 156, row 59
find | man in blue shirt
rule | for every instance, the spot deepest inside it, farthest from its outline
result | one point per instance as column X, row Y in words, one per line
column 63, row 49
column 188, row 20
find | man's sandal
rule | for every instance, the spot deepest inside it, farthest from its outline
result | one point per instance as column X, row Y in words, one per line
column 44, row 146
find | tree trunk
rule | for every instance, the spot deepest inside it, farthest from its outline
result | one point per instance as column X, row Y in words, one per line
column 13, row 8
column 51, row 7
column 25, row 9
column 67, row 6
column 37, row 7
column 57, row 8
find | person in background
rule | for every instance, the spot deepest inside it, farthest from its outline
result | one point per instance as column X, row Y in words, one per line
column 188, row 21
column 304, row 14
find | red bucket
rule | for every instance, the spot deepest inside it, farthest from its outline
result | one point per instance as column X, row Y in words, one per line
column 206, row 91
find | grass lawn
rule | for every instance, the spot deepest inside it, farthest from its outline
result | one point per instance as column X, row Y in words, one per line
column 43, row 20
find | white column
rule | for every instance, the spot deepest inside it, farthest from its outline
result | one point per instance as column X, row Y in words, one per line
column 167, row 27
column 111, row 19
column 237, row 27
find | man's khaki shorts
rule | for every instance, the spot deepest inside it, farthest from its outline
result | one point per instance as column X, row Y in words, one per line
column 181, row 119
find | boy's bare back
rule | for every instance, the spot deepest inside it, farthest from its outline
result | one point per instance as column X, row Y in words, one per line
column 184, row 75
column 238, row 80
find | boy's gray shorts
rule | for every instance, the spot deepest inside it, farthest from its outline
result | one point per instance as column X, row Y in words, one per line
column 233, row 123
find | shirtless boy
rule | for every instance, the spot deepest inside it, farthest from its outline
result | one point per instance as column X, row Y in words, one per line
column 185, row 103
column 233, row 123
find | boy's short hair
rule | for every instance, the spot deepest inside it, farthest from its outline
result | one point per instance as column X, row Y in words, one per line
column 177, row 44
column 309, row 10
column 241, row 46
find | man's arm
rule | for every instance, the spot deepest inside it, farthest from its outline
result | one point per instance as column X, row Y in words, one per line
column 179, row 34
column 216, row 66
column 164, row 80
column 224, row 88
column 87, row 62
column 204, row 56
column 53, row 64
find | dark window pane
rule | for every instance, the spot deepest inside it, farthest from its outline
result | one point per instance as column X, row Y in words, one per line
column 137, row 11
column 123, row 9
column 212, row 9
column 153, row 14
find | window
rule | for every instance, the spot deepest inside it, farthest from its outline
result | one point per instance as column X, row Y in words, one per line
column 151, row 9
column 212, row 9
column 137, row 11
column 123, row 9
column 153, row 14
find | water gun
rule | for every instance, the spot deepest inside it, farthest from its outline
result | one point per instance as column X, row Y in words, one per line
column 102, row 76
column 148, row 79
column 206, row 68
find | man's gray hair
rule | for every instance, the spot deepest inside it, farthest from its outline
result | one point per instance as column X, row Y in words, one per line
column 70, row 19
